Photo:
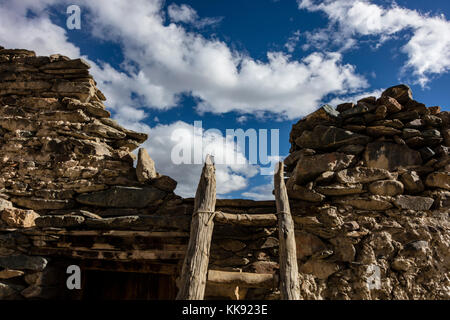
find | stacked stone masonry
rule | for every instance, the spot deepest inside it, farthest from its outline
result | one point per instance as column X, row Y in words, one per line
column 369, row 188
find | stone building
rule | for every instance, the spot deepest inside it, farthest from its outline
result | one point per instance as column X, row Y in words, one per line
column 369, row 189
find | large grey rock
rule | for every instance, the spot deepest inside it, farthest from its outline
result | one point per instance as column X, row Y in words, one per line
column 390, row 156
column 413, row 203
column 145, row 168
column 309, row 167
column 402, row 93
column 22, row 262
column 323, row 138
column 363, row 175
column 123, row 197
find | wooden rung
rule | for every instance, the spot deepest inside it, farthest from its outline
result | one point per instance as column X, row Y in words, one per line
column 243, row 279
column 255, row 220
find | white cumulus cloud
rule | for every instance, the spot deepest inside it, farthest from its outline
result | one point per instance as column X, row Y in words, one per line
column 428, row 37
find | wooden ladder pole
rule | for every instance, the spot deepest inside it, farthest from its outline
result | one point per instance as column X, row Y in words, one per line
column 195, row 266
column 289, row 279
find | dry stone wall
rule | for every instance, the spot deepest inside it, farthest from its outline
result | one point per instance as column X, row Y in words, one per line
column 369, row 193
column 379, row 174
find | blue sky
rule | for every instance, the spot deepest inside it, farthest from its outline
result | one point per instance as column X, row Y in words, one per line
column 239, row 64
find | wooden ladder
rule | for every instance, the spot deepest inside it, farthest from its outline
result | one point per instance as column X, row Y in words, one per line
column 194, row 272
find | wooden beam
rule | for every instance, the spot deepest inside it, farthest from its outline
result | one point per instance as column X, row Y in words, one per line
column 254, row 220
column 243, row 279
column 289, row 279
column 131, row 266
column 195, row 266
column 112, row 233
column 131, row 255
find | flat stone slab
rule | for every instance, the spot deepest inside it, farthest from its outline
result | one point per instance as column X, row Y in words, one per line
column 122, row 197
column 21, row 262
column 413, row 203
column 323, row 138
column 390, row 156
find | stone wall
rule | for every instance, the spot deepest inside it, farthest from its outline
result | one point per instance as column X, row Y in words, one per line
column 379, row 174
column 369, row 192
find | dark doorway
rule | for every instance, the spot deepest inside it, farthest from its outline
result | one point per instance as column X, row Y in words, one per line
column 107, row 285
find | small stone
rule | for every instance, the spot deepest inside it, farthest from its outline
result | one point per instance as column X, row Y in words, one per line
column 438, row 180
column 435, row 110
column 415, row 124
column 379, row 131
column 319, row 268
column 410, row 133
column 9, row 274
column 397, row 124
column 5, row 204
column 413, row 203
column 18, row 218
column 344, row 106
column 427, row 153
column 371, row 100
column 232, row 245
column 302, row 193
column 340, row 189
column 400, row 264
column 432, row 121
column 264, row 267
column 361, row 108
column 391, row 104
column 307, row 244
column 405, row 116
column 164, row 183
column 372, row 203
column 351, row 149
column 399, row 141
column 386, row 188
column 412, row 182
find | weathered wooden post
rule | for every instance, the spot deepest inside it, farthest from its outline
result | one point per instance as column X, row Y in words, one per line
column 195, row 266
column 289, row 280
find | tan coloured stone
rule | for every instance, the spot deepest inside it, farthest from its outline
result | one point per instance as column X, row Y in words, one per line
column 412, row 182
column 363, row 175
column 9, row 274
column 438, row 180
column 386, row 188
column 145, row 168
column 18, row 218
